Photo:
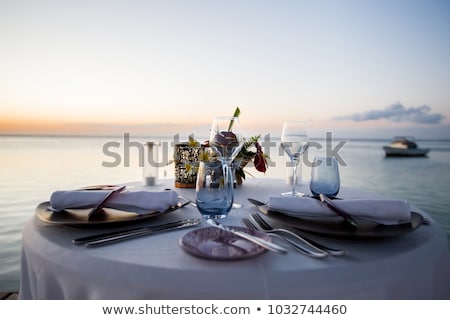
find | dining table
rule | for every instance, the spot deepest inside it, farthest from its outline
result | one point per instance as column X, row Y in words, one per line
column 408, row 265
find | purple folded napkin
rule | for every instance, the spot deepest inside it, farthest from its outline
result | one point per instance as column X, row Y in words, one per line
column 388, row 212
column 137, row 201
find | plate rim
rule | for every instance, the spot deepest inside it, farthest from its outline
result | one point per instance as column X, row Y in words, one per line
column 42, row 212
column 384, row 231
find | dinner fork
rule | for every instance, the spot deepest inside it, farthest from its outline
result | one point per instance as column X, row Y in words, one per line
column 320, row 254
column 263, row 225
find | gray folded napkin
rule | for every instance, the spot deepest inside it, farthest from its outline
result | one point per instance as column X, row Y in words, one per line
column 136, row 201
column 388, row 212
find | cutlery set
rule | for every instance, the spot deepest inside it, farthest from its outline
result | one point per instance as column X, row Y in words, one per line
column 303, row 245
column 300, row 243
column 259, row 241
column 315, row 254
column 116, row 236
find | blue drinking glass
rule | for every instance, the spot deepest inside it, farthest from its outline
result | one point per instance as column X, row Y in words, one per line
column 214, row 189
column 214, row 186
column 325, row 177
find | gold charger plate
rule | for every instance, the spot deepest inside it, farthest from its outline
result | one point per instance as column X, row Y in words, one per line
column 334, row 225
column 79, row 217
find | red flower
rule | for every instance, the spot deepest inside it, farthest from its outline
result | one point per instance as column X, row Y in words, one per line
column 259, row 160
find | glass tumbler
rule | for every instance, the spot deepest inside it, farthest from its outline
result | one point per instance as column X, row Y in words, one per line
column 214, row 189
column 325, row 177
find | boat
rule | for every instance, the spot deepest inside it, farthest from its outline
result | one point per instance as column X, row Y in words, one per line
column 404, row 146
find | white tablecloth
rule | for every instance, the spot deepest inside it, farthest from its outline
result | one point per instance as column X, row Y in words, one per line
column 412, row 266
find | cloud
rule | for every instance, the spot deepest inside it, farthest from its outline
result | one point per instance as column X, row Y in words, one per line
column 398, row 113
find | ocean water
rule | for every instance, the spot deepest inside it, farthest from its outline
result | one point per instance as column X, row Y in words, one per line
column 32, row 167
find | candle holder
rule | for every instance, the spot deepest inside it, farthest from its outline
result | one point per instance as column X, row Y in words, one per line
column 151, row 165
column 186, row 159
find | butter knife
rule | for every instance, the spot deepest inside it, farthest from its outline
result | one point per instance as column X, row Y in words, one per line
column 259, row 241
column 348, row 218
column 99, row 206
column 142, row 232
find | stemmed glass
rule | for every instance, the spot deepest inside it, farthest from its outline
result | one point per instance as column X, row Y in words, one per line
column 226, row 138
column 294, row 141
column 215, row 185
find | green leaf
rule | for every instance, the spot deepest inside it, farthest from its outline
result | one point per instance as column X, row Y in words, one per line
column 236, row 114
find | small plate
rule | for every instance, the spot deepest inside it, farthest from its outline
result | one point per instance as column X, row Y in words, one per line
column 217, row 244
column 334, row 225
column 79, row 217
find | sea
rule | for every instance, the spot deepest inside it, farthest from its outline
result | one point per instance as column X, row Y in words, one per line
column 32, row 167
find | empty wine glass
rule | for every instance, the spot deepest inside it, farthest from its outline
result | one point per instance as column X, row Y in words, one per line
column 325, row 176
column 294, row 141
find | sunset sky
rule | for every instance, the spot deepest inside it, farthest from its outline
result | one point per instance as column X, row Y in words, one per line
column 359, row 68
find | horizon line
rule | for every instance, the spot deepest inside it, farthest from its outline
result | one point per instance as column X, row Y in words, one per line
column 90, row 135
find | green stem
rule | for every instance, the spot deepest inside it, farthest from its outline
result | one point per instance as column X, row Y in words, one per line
column 236, row 114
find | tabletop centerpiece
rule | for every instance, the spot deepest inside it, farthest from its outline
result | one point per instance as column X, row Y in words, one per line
column 250, row 152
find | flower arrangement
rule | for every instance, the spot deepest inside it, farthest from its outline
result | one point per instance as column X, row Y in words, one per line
column 251, row 151
column 189, row 154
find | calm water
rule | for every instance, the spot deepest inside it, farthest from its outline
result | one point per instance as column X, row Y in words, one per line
column 33, row 167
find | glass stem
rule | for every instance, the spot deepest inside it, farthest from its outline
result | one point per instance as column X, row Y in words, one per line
column 295, row 164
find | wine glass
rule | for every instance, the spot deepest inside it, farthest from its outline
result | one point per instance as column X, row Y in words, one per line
column 215, row 183
column 226, row 138
column 294, row 141
column 325, row 177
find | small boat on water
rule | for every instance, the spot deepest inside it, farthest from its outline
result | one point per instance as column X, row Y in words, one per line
column 404, row 146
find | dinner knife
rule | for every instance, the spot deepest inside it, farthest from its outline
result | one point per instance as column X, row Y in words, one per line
column 143, row 232
column 348, row 218
column 99, row 206
column 107, row 235
column 259, row 241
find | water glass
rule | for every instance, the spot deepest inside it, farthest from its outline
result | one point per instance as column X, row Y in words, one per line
column 214, row 189
column 214, row 186
column 325, row 176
